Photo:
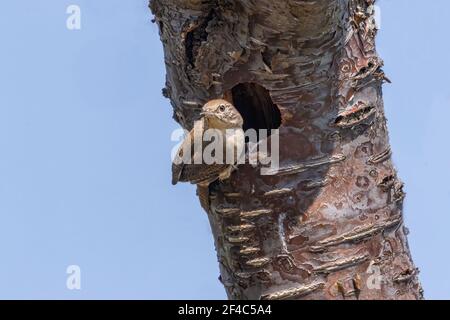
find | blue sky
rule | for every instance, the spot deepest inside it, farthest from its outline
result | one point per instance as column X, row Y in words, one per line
column 85, row 153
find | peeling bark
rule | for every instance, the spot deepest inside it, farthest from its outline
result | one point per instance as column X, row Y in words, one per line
column 333, row 214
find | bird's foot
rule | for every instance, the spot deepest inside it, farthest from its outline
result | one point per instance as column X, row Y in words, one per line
column 224, row 175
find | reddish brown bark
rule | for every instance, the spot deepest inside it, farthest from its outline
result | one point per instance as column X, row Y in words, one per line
column 332, row 218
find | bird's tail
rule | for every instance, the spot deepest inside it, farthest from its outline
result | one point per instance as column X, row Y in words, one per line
column 203, row 195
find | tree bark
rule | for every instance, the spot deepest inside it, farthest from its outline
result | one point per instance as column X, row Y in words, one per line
column 330, row 224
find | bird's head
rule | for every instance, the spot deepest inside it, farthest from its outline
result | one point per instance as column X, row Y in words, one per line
column 221, row 114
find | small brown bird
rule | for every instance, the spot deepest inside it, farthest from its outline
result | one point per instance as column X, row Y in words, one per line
column 219, row 115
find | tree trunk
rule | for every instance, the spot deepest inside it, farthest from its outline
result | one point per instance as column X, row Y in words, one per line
column 329, row 225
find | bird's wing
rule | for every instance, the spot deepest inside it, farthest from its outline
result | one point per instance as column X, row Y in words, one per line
column 202, row 173
column 191, row 172
column 179, row 162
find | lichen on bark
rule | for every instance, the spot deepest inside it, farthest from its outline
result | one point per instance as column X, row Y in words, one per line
column 330, row 224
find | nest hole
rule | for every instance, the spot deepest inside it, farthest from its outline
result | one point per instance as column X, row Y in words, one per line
column 256, row 107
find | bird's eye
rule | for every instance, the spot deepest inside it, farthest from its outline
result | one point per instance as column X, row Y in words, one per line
column 221, row 108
